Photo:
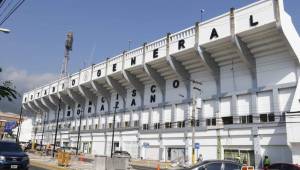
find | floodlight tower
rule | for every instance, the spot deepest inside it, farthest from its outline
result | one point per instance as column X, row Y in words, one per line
column 68, row 48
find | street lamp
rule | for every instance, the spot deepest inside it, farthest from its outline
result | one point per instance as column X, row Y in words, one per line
column 113, row 132
column 193, row 121
column 56, row 127
column 4, row 30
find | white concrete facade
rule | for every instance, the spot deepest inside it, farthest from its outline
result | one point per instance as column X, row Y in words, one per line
column 247, row 61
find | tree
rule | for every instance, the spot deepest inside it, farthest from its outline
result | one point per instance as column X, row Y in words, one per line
column 7, row 90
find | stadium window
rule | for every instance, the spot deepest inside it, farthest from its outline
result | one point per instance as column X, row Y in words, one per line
column 227, row 120
column 136, row 123
column 267, row 117
column 127, row 124
column 89, row 110
column 96, row 126
column 118, row 124
column 197, row 123
column 180, row 124
column 90, row 103
column 156, row 125
column 145, row 127
column 110, row 125
column 271, row 117
column 211, row 122
column 192, row 123
column 68, row 113
column 246, row 119
column 168, row 125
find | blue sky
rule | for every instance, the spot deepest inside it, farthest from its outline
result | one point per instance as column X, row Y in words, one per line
column 31, row 55
column 36, row 43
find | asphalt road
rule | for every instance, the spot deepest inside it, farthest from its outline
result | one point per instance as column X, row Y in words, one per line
column 36, row 168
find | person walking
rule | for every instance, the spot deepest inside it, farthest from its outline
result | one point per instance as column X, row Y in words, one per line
column 266, row 162
column 200, row 158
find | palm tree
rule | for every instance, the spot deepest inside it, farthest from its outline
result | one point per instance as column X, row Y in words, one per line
column 7, row 90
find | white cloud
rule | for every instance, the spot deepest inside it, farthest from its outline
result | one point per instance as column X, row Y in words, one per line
column 23, row 82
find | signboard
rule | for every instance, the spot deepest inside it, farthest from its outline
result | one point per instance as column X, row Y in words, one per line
column 146, row 145
column 9, row 126
column 197, row 145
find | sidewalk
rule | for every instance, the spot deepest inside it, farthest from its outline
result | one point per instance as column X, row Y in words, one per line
column 51, row 163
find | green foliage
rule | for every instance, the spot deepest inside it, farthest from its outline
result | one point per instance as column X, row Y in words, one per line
column 7, row 90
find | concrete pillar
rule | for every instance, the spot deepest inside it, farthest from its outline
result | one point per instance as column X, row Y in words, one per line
column 173, row 116
column 276, row 109
column 253, row 107
column 257, row 147
column 234, row 109
column 131, row 119
column 161, row 148
column 201, row 117
column 150, row 118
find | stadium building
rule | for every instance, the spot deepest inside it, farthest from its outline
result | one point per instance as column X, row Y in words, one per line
column 229, row 85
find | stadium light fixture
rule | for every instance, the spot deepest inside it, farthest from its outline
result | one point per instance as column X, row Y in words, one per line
column 4, row 30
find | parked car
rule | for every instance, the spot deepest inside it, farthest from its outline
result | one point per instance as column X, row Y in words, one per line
column 284, row 166
column 216, row 165
column 12, row 156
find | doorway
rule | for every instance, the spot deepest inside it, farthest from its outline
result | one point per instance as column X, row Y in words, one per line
column 176, row 154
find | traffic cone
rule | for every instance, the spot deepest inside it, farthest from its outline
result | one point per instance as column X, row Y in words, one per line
column 158, row 167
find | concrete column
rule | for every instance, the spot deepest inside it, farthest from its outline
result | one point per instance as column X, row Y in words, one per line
column 186, row 115
column 105, row 143
column 219, row 120
column 150, row 118
column 275, row 105
column 122, row 119
column 253, row 108
column 131, row 119
column 139, row 144
column 161, row 148
column 201, row 117
column 234, row 109
column 173, row 115
column 121, row 141
column 140, row 120
column 186, row 142
column 257, row 148
column 161, row 117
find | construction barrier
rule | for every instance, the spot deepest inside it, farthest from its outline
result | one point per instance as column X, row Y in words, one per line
column 63, row 158
column 247, row 168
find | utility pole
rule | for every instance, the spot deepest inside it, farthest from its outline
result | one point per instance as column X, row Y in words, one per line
column 193, row 129
column 193, row 121
column 68, row 48
column 43, row 129
column 57, row 119
column 79, row 129
column 19, row 127
column 113, row 132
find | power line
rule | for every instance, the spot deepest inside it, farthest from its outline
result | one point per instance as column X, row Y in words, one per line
column 2, row 2
column 12, row 11
column 6, row 7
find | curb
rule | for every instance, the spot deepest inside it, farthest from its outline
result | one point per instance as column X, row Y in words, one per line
column 46, row 166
